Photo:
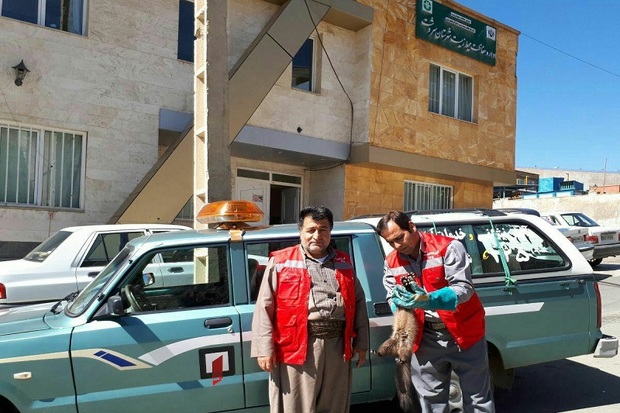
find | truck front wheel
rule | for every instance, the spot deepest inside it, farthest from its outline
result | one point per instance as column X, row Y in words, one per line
column 6, row 406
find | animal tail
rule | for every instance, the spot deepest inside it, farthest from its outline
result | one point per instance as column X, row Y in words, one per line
column 406, row 393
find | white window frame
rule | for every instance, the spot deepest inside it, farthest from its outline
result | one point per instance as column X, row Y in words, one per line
column 441, row 109
column 420, row 196
column 43, row 196
column 42, row 4
column 314, row 87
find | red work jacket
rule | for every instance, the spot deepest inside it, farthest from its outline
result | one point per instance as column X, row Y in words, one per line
column 466, row 323
column 291, row 302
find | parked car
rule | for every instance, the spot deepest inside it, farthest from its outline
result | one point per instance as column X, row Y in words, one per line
column 576, row 235
column 166, row 326
column 67, row 261
column 606, row 240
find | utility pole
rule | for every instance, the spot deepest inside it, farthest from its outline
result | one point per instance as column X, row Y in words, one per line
column 604, row 176
column 212, row 169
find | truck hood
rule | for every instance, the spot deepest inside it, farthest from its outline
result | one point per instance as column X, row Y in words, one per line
column 23, row 319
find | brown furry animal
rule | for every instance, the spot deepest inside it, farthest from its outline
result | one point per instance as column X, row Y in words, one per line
column 400, row 345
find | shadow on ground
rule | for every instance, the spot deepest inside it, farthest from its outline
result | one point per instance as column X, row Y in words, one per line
column 559, row 386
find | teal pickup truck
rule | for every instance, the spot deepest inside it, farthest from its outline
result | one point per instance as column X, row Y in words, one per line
column 166, row 326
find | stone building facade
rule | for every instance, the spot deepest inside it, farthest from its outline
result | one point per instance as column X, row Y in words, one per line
column 424, row 146
column 365, row 134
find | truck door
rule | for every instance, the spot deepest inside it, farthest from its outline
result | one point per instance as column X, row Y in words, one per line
column 534, row 311
column 178, row 348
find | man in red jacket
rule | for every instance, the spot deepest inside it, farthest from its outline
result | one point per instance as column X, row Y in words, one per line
column 310, row 319
column 449, row 313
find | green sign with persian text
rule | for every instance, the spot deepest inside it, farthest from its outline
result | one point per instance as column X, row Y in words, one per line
column 456, row 31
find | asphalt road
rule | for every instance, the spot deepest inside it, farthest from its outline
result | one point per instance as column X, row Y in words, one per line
column 578, row 384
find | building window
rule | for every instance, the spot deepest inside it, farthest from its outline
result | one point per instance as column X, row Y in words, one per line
column 451, row 93
column 185, row 46
column 421, row 196
column 41, row 167
column 65, row 15
column 304, row 67
column 187, row 212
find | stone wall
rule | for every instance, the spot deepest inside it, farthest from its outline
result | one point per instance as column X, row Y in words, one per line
column 604, row 209
column 376, row 190
column 399, row 118
column 325, row 115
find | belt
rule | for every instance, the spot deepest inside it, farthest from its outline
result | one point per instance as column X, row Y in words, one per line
column 326, row 328
column 435, row 325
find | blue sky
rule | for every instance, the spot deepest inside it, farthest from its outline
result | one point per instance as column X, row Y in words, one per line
column 568, row 93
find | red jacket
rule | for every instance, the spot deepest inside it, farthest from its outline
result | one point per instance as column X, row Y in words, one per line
column 290, row 333
column 466, row 323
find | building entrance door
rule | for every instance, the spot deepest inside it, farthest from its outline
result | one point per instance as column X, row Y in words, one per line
column 257, row 192
column 279, row 201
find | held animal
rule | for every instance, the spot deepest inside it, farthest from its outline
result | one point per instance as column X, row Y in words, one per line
column 400, row 345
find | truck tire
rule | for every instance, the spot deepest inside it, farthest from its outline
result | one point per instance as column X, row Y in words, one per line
column 6, row 406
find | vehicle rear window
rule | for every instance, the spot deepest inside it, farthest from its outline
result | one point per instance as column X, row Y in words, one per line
column 579, row 220
column 523, row 247
column 43, row 250
column 106, row 246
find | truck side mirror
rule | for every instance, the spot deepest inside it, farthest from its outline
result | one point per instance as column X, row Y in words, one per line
column 115, row 305
column 148, row 278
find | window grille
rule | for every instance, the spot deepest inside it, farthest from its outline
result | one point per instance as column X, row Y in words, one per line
column 41, row 167
column 422, row 196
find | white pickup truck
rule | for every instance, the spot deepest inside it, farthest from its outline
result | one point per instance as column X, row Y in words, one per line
column 606, row 240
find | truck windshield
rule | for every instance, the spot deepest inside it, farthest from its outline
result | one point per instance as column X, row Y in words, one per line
column 83, row 300
column 44, row 249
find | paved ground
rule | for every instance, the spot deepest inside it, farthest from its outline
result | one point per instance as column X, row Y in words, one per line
column 578, row 384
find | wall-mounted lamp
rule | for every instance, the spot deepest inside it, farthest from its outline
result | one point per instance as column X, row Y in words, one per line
column 20, row 72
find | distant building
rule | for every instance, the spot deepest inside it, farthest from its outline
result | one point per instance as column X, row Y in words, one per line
column 526, row 183
column 607, row 189
column 556, row 187
column 588, row 177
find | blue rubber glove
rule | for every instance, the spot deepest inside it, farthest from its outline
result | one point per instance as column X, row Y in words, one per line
column 403, row 298
column 393, row 307
column 442, row 299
